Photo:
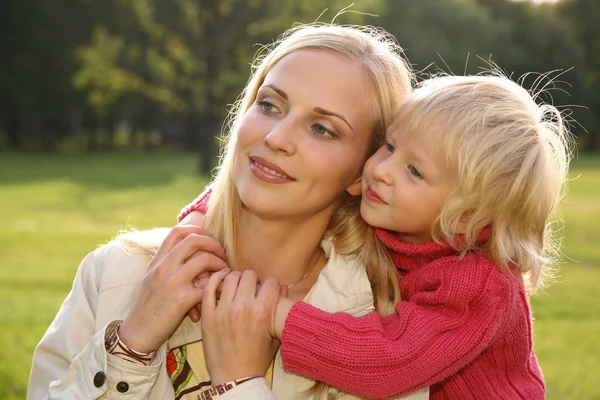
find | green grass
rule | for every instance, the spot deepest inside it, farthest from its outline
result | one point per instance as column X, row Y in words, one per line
column 55, row 209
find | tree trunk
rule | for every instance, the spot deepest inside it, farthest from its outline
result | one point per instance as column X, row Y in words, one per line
column 210, row 127
column 11, row 129
column 95, row 135
column 207, row 150
column 592, row 144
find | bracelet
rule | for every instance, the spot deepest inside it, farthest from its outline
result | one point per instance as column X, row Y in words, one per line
column 116, row 347
column 215, row 391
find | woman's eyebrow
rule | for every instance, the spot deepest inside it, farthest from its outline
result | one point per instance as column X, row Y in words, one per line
column 321, row 111
column 277, row 90
column 318, row 110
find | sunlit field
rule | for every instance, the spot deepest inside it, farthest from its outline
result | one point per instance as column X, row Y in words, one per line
column 57, row 209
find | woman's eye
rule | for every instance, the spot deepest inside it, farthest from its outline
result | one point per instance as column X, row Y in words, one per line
column 322, row 131
column 414, row 172
column 266, row 106
column 389, row 147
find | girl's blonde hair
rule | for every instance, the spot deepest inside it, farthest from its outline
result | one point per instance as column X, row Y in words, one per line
column 510, row 157
column 391, row 79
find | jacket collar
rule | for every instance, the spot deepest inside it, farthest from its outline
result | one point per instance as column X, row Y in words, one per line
column 342, row 286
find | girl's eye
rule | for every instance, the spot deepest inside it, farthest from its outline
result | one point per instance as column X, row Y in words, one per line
column 389, row 147
column 414, row 172
column 322, row 131
column 266, row 106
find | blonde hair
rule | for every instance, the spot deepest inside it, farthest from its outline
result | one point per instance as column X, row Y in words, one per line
column 391, row 79
column 510, row 157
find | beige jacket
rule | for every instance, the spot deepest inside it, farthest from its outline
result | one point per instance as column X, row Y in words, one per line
column 70, row 360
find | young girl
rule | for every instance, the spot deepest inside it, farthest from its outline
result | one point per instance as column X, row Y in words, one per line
column 463, row 193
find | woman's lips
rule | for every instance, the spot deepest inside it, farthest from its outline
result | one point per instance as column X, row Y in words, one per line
column 268, row 171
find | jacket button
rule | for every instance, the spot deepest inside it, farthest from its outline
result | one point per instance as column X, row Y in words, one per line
column 122, row 387
column 99, row 379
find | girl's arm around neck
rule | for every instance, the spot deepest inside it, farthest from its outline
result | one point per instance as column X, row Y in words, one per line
column 454, row 313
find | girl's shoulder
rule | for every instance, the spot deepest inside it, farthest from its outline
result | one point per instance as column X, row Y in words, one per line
column 474, row 274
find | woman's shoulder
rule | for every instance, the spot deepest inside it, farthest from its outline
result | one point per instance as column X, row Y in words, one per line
column 125, row 258
column 343, row 284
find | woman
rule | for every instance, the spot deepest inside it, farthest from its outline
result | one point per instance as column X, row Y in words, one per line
column 287, row 189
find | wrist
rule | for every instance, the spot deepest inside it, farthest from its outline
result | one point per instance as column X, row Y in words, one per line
column 225, row 378
column 129, row 338
column 115, row 346
column 217, row 390
column 283, row 308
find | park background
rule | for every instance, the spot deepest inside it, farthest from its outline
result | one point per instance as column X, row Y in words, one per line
column 109, row 110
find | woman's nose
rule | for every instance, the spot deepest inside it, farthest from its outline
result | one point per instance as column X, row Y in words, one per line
column 283, row 135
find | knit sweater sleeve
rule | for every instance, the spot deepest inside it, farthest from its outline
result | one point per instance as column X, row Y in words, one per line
column 200, row 203
column 452, row 312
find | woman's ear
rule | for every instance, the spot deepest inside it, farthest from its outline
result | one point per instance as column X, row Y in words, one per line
column 355, row 187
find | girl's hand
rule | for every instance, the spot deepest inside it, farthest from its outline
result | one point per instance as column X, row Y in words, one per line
column 237, row 332
column 168, row 292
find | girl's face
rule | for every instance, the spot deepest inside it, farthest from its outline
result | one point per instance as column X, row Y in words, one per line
column 304, row 140
column 405, row 184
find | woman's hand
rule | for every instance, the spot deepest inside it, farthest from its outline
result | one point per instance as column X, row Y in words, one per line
column 237, row 332
column 168, row 290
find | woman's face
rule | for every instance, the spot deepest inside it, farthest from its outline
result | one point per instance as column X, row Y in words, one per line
column 304, row 140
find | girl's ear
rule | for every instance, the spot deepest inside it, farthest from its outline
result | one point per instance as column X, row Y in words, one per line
column 355, row 187
column 461, row 228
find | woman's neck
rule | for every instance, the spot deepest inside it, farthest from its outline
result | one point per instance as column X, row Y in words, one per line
column 287, row 250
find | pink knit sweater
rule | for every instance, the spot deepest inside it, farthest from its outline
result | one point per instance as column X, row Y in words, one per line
column 463, row 328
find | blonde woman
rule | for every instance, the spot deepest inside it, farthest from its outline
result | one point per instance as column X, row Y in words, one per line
column 463, row 194
column 285, row 204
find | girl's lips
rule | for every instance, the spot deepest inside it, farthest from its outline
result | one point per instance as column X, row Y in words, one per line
column 372, row 196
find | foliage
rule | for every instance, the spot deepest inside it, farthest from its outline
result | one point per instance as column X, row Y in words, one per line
column 86, row 69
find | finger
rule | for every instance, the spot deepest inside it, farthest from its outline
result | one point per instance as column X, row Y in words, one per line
column 247, row 287
column 200, row 280
column 176, row 235
column 230, row 287
column 194, row 314
column 193, row 243
column 269, row 291
column 184, row 250
column 205, row 262
column 209, row 299
column 210, row 244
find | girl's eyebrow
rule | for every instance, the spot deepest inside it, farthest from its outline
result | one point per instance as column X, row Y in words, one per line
column 318, row 110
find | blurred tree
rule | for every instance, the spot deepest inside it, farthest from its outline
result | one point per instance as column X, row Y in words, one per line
column 581, row 17
column 532, row 40
column 37, row 40
column 187, row 57
column 173, row 66
column 462, row 36
column 444, row 33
